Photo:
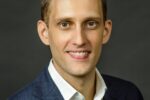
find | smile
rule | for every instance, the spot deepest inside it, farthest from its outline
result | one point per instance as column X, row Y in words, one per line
column 79, row 54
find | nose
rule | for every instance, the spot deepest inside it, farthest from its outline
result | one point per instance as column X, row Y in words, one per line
column 80, row 38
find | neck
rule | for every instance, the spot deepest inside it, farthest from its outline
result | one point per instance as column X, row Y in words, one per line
column 88, row 88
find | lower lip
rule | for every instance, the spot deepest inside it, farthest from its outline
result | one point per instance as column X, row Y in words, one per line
column 79, row 58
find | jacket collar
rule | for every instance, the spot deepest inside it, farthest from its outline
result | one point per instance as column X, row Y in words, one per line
column 112, row 90
column 44, row 87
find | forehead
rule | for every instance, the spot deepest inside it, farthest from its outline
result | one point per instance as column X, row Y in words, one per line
column 76, row 8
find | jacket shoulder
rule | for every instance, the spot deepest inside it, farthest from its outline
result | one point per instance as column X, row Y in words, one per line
column 122, row 89
column 26, row 93
column 42, row 88
column 23, row 94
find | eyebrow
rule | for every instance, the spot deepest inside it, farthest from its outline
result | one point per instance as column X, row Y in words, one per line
column 95, row 18
column 62, row 19
column 70, row 18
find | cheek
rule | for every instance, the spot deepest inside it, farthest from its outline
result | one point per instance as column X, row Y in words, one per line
column 96, row 39
column 58, row 41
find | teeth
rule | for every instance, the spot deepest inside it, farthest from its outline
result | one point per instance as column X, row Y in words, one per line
column 80, row 54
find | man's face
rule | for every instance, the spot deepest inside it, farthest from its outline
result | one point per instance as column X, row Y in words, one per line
column 76, row 34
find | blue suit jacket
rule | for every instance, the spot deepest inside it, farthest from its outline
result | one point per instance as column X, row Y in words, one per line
column 43, row 88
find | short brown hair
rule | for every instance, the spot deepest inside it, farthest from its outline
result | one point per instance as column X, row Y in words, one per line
column 45, row 9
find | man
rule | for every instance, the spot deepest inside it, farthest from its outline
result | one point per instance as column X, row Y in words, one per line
column 75, row 31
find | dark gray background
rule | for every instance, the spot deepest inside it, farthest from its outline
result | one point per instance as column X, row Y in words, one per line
column 23, row 56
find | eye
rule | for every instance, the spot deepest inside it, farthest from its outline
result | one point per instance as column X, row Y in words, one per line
column 91, row 24
column 64, row 25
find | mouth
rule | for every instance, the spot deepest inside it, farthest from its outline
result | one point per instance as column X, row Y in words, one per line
column 79, row 55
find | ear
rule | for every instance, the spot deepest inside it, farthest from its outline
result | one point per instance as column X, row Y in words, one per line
column 107, row 31
column 43, row 32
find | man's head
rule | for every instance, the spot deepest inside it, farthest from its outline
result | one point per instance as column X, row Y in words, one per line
column 46, row 9
column 75, row 32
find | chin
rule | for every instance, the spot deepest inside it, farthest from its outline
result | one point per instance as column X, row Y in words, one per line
column 80, row 70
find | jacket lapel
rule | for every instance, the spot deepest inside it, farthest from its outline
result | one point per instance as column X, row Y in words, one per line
column 45, row 88
column 111, row 92
column 108, row 95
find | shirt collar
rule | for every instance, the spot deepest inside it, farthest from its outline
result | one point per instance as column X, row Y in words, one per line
column 68, row 92
column 100, row 86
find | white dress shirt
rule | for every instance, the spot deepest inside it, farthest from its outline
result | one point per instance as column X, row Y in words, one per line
column 70, row 93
